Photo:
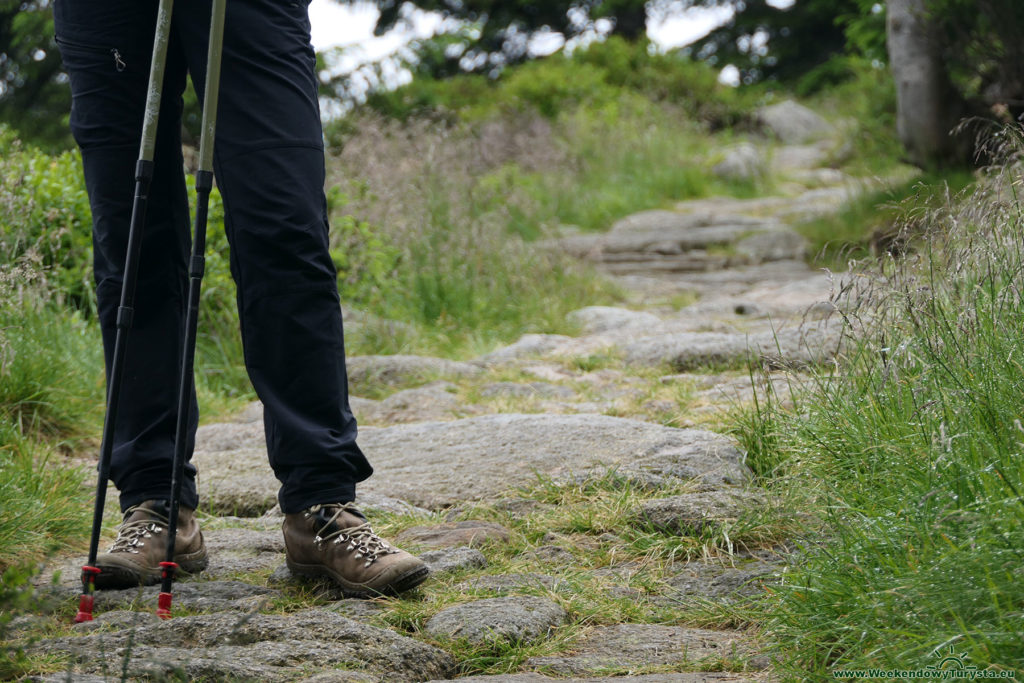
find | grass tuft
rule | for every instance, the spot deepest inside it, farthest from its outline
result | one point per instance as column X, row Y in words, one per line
column 910, row 457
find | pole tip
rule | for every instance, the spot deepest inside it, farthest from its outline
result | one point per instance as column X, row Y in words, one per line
column 163, row 605
column 84, row 609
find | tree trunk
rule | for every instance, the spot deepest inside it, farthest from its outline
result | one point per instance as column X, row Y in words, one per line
column 927, row 107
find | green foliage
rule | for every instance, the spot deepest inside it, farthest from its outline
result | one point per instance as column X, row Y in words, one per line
column 45, row 503
column 910, row 453
column 865, row 104
column 366, row 260
column 768, row 42
column 51, row 366
column 598, row 76
column 879, row 221
column 464, row 286
column 33, row 97
column 982, row 49
column 629, row 157
column 45, row 217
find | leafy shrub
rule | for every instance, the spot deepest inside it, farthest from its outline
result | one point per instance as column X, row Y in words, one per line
column 597, row 76
column 45, row 216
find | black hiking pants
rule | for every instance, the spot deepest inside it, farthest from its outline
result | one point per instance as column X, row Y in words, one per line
column 269, row 166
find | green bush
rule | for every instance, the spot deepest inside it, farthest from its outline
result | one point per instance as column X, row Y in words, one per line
column 45, row 216
column 596, row 76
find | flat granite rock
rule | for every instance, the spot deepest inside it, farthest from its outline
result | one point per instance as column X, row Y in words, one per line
column 260, row 647
column 694, row 513
column 466, row 533
column 772, row 245
column 363, row 370
column 221, row 596
column 526, row 390
column 338, row 676
column 527, row 346
column 520, row 618
column 433, row 401
column 446, row 560
column 440, row 464
column 241, row 550
column 511, row 583
column 593, row 319
column 717, row 581
column 691, row 350
column 649, row 678
column 793, row 123
column 635, row 645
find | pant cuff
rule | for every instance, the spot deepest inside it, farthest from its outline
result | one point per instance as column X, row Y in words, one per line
column 189, row 497
column 290, row 504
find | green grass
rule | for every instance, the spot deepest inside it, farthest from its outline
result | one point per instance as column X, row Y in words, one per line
column 880, row 221
column 910, row 460
column 51, row 364
column 44, row 503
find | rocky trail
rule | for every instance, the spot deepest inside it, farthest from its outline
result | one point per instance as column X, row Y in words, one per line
column 578, row 498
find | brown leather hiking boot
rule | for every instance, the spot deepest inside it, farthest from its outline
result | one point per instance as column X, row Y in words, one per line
column 141, row 545
column 336, row 541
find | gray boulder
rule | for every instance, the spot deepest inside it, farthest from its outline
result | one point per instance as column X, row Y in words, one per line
column 433, row 401
column 790, row 158
column 793, row 123
column 744, row 161
column 235, row 551
column 221, row 596
column 514, row 619
column 438, row 465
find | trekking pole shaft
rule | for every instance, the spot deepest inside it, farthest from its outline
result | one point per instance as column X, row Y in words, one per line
column 126, row 310
column 204, row 185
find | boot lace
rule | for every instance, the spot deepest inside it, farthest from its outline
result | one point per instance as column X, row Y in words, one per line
column 367, row 545
column 131, row 535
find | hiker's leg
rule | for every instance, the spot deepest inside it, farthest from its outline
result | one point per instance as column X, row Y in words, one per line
column 269, row 166
column 107, row 47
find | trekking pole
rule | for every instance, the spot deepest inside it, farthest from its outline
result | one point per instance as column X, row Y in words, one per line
column 204, row 184
column 125, row 312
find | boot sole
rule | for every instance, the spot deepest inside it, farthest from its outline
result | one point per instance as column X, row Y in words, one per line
column 112, row 576
column 404, row 582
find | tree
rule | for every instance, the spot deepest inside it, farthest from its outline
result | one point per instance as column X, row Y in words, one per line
column 950, row 59
column 768, row 42
column 927, row 108
column 34, row 96
column 499, row 31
